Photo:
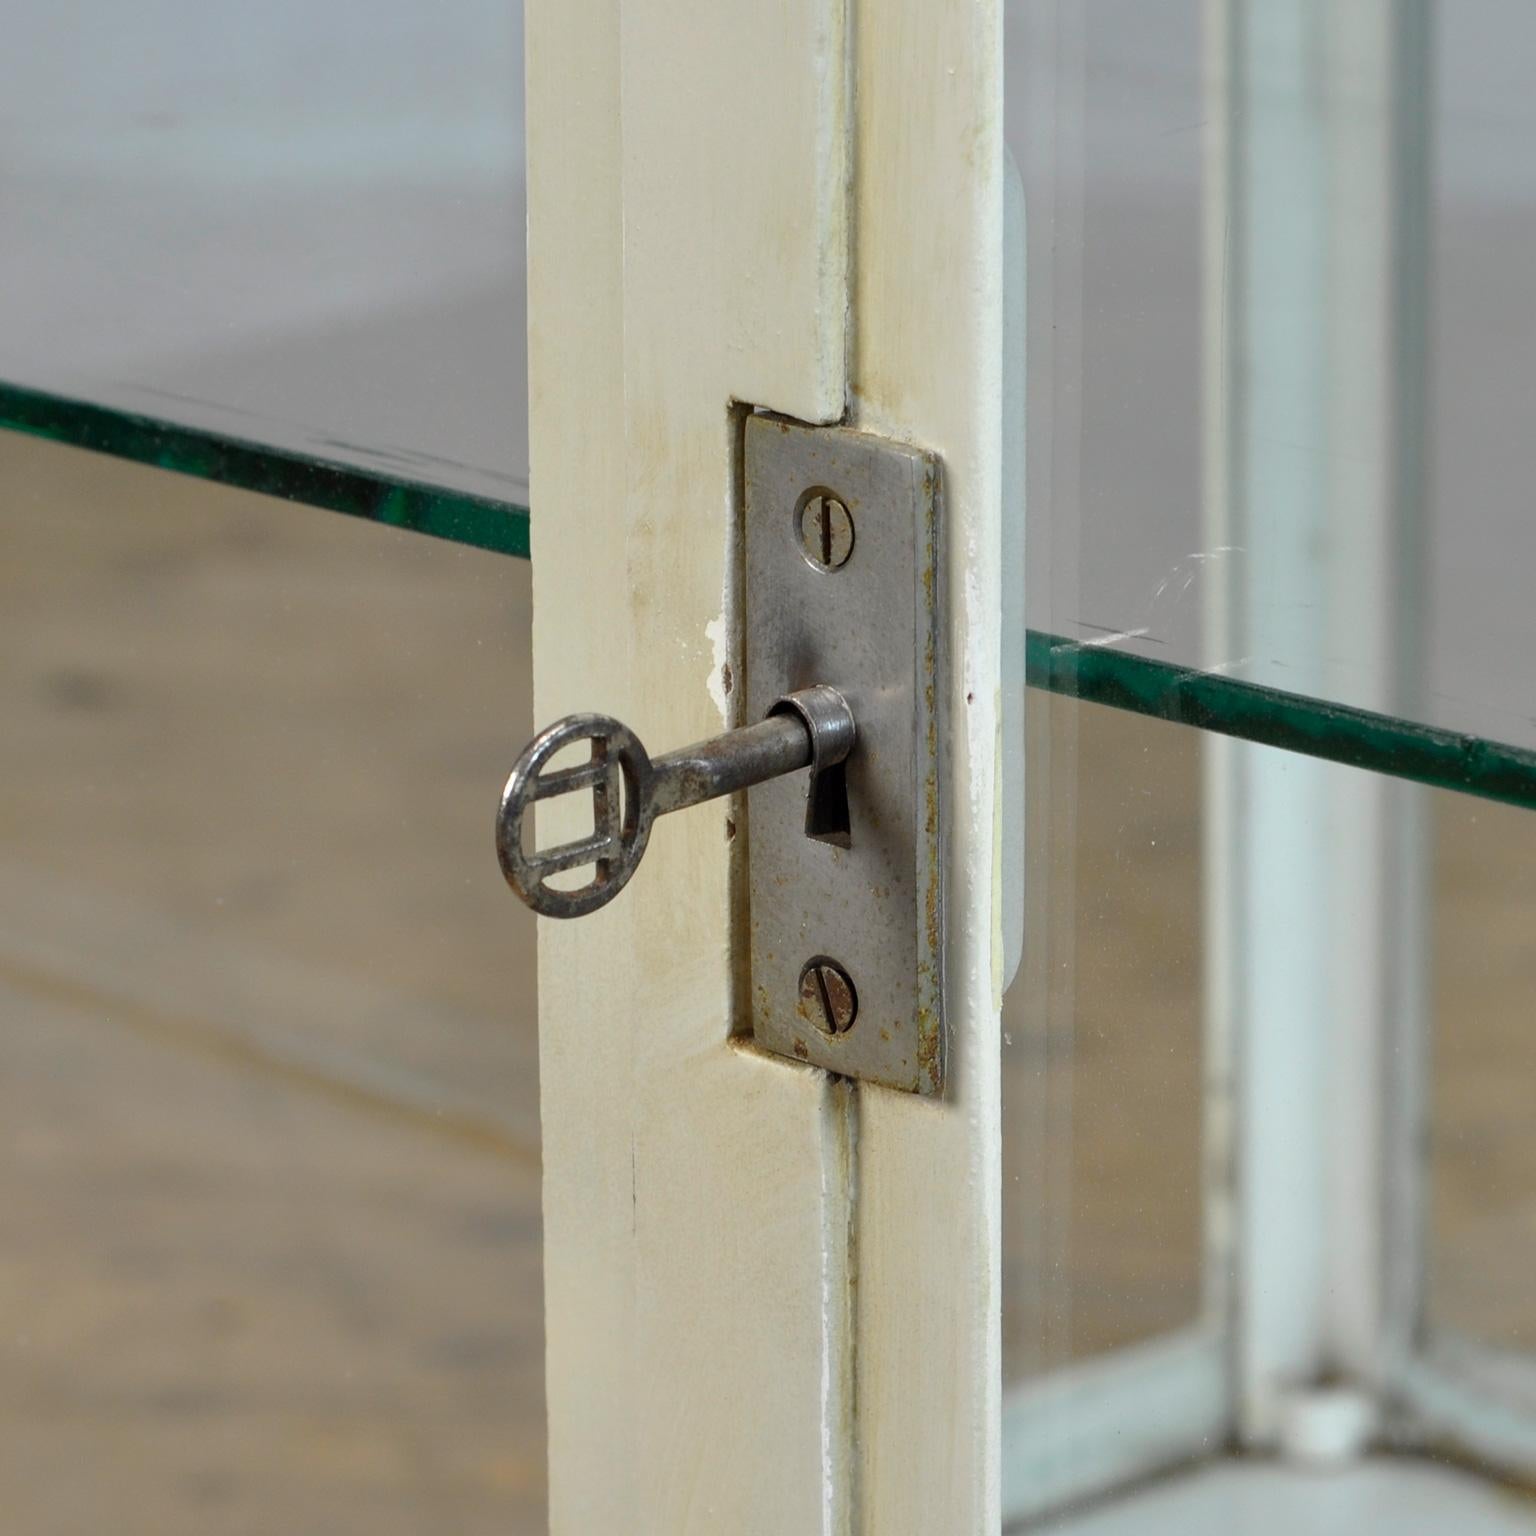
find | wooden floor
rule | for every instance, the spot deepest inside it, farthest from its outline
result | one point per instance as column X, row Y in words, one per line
column 269, row 1229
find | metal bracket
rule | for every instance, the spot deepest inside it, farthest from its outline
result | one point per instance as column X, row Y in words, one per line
column 842, row 586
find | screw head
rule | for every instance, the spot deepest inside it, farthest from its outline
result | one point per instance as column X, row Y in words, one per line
column 825, row 530
column 827, row 996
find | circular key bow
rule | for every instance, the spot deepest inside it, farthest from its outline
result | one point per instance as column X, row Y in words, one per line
column 810, row 728
column 619, row 775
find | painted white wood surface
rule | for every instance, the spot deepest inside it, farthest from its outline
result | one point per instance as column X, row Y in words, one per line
column 927, row 365
column 772, row 1299
column 687, row 196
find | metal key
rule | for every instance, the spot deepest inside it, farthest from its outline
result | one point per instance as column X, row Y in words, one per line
column 812, row 728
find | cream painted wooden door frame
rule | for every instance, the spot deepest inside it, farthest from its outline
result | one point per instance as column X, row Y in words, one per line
column 772, row 1295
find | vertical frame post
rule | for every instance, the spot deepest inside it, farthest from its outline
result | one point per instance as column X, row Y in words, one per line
column 687, row 250
column 926, row 364
column 1315, row 412
column 772, row 1296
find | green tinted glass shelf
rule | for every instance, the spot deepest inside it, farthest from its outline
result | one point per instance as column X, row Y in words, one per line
column 445, row 514
column 1339, row 733
column 1095, row 673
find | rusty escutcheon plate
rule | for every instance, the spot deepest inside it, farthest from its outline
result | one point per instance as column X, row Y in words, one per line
column 869, row 627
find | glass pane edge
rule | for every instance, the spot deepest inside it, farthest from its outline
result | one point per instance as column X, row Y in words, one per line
column 484, row 523
column 1293, row 722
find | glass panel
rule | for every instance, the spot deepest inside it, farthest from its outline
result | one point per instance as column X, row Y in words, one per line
column 1129, row 1153
column 1481, row 535
column 268, row 1062
column 1482, row 1236
column 298, row 224
column 1104, row 103
column 1269, row 1168
column 1102, row 1092
column 1257, row 257
column 325, row 301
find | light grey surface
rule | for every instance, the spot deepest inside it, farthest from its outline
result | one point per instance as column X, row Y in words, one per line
column 1236, row 1498
column 300, row 222
column 1106, row 116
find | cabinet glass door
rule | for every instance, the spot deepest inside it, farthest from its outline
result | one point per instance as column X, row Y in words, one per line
column 1269, row 1162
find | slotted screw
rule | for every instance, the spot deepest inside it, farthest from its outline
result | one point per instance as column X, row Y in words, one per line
column 827, row 996
column 826, row 531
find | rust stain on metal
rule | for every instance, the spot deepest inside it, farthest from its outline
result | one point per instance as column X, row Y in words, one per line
column 930, row 1054
column 930, row 1027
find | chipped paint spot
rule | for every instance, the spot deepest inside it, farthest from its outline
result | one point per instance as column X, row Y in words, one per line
column 719, row 681
column 999, row 943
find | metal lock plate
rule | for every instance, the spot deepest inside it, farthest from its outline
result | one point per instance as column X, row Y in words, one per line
column 842, row 584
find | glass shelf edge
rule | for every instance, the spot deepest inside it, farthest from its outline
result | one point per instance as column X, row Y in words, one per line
column 1341, row 733
column 1292, row 722
column 457, row 516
